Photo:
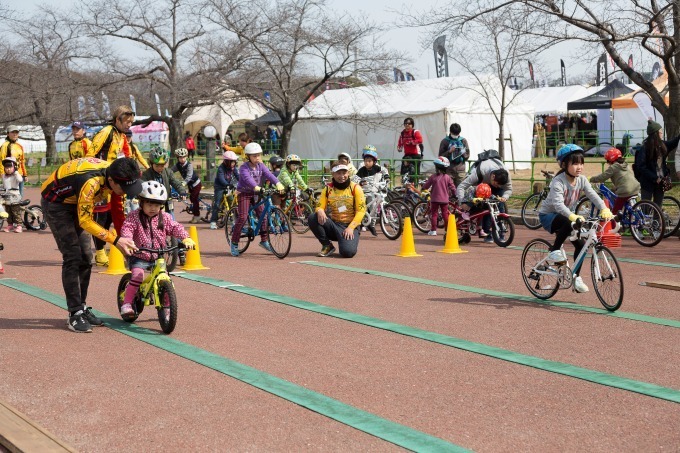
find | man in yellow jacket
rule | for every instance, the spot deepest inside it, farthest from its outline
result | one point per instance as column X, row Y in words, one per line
column 81, row 146
column 12, row 148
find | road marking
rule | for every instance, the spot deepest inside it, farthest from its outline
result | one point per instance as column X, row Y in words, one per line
column 565, row 369
column 623, row 260
column 367, row 422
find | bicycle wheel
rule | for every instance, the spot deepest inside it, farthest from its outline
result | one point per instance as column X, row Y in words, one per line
column 171, row 258
column 299, row 217
column 34, row 218
column 279, row 232
column 646, row 223
column 246, row 234
column 530, row 211
column 671, row 215
column 607, row 279
column 542, row 280
column 122, row 286
column 402, row 208
column 505, row 233
column 167, row 312
column 391, row 222
column 222, row 213
column 421, row 216
column 585, row 208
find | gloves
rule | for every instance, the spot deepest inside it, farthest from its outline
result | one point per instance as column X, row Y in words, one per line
column 606, row 214
column 189, row 243
column 574, row 217
column 3, row 215
column 257, row 189
column 280, row 187
column 477, row 200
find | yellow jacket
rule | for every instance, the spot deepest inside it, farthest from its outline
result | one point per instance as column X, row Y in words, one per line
column 238, row 149
column 17, row 151
column 79, row 148
column 137, row 155
column 81, row 182
column 109, row 144
column 347, row 206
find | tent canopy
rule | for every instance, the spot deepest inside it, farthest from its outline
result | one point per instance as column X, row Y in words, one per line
column 270, row 118
column 346, row 120
column 550, row 100
column 223, row 115
column 602, row 99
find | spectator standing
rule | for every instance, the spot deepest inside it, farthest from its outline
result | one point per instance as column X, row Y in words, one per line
column 456, row 149
column 81, row 145
column 650, row 162
column 12, row 148
column 189, row 144
column 411, row 143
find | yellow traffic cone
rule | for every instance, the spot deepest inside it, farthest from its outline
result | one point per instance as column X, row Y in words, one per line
column 408, row 247
column 193, row 262
column 116, row 263
column 451, row 245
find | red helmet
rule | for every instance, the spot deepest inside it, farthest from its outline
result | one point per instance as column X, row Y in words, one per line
column 483, row 190
column 612, row 155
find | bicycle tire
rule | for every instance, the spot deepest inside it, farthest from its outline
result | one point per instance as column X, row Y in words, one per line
column 421, row 217
column 222, row 213
column 585, row 208
column 298, row 217
column 34, row 219
column 245, row 239
column 391, row 222
column 120, row 296
column 403, row 209
column 504, row 237
column 670, row 209
column 646, row 223
column 611, row 304
column 541, row 286
column 168, row 300
column 529, row 211
column 280, row 235
column 171, row 258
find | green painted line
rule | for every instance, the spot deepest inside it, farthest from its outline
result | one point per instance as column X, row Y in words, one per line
column 504, row 295
column 565, row 369
column 367, row 422
column 623, row 260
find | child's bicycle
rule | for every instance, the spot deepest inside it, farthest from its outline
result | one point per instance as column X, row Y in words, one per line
column 391, row 222
column 644, row 218
column 298, row 211
column 33, row 215
column 156, row 289
column 544, row 278
column 533, row 202
column 279, row 227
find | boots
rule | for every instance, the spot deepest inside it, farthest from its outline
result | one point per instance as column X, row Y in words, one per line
column 195, row 219
column 100, row 258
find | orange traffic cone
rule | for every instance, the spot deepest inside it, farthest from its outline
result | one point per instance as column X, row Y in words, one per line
column 451, row 245
column 193, row 262
column 116, row 263
column 408, row 247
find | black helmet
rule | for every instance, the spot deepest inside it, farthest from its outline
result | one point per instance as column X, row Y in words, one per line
column 276, row 161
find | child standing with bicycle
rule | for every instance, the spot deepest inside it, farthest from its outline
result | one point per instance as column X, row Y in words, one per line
column 148, row 227
column 191, row 179
column 251, row 175
column 225, row 179
column 11, row 181
column 625, row 184
column 369, row 177
column 290, row 176
column 556, row 213
column 441, row 188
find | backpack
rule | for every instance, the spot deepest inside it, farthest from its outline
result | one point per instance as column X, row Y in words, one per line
column 490, row 154
column 456, row 150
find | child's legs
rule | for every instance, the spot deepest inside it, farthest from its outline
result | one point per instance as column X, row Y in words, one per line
column 15, row 215
column 219, row 193
column 133, row 286
column 264, row 226
column 619, row 204
column 435, row 208
column 244, row 201
column 193, row 197
column 561, row 228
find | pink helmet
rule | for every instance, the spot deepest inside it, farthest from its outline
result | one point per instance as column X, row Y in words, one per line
column 230, row 155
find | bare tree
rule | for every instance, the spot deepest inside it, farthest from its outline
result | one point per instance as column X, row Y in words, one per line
column 168, row 40
column 292, row 48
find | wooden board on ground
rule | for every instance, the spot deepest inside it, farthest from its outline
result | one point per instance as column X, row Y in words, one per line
column 673, row 286
column 19, row 434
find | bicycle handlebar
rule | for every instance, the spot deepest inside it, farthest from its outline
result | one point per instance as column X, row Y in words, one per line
column 162, row 250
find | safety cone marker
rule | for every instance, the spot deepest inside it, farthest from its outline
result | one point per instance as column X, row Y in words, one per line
column 451, row 245
column 193, row 262
column 116, row 263
column 408, row 247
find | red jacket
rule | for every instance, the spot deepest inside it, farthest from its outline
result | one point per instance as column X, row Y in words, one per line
column 189, row 142
column 410, row 141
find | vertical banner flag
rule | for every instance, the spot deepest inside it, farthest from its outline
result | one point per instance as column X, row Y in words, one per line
column 630, row 65
column 398, row 75
column 644, row 103
column 531, row 74
column 602, row 72
column 132, row 104
column 92, row 107
column 158, row 104
column 563, row 71
column 656, row 71
column 441, row 60
column 409, row 77
column 81, row 107
column 106, row 110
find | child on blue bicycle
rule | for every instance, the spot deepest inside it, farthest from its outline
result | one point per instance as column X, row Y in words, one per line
column 225, row 179
column 148, row 227
column 625, row 184
column 250, row 181
column 556, row 213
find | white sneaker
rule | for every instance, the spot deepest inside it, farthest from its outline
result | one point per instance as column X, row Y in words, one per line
column 579, row 286
column 431, row 233
column 213, row 225
column 556, row 256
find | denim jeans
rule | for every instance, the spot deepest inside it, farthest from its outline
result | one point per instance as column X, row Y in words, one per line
column 332, row 231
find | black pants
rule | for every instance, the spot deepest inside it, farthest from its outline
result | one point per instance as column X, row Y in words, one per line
column 75, row 245
column 416, row 161
column 561, row 227
column 105, row 220
column 655, row 195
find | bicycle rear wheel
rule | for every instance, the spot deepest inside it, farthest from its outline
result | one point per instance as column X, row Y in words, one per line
column 421, row 216
column 671, row 215
column 299, row 217
column 34, row 218
column 530, row 211
column 505, row 233
column 279, row 232
column 607, row 279
column 246, row 233
column 167, row 312
column 391, row 222
column 646, row 223
column 542, row 280
column 403, row 208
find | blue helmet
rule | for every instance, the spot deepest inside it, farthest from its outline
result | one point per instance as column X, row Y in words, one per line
column 568, row 150
column 370, row 150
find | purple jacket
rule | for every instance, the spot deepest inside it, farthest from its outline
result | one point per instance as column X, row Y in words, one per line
column 249, row 177
column 440, row 186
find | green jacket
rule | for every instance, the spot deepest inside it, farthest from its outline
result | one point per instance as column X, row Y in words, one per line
column 625, row 184
column 168, row 179
column 289, row 179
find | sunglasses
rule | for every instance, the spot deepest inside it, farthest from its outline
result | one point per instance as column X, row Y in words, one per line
column 408, row 124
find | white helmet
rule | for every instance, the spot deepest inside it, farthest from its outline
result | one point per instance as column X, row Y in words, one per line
column 181, row 152
column 253, row 148
column 153, row 190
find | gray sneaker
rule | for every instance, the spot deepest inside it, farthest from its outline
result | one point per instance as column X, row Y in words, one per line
column 91, row 318
column 77, row 322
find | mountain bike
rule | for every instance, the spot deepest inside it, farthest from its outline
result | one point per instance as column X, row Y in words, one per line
column 33, row 216
column 533, row 202
column 670, row 209
column 391, row 222
column 298, row 211
column 276, row 220
column 644, row 218
column 156, row 289
column 544, row 278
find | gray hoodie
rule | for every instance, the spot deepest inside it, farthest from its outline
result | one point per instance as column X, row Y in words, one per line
column 563, row 196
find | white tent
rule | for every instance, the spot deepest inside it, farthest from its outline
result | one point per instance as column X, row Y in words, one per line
column 551, row 100
column 223, row 115
column 346, row 120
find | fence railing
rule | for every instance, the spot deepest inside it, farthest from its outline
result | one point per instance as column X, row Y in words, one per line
column 546, row 143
